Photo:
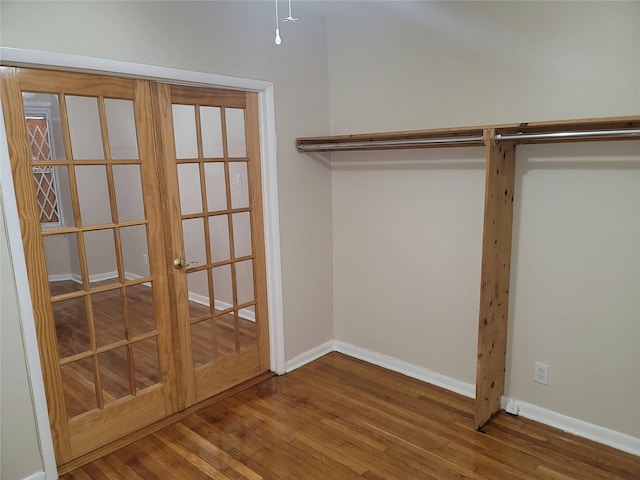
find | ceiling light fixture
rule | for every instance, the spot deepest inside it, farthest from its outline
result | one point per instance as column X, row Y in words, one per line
column 290, row 19
column 278, row 40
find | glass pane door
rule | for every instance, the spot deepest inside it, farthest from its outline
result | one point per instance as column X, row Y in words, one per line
column 218, row 257
column 86, row 185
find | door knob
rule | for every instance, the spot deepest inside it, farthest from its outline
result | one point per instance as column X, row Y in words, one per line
column 179, row 263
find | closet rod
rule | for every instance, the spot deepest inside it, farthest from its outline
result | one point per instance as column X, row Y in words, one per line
column 586, row 134
column 412, row 142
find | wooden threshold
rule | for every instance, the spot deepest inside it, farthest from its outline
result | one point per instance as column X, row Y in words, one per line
column 176, row 417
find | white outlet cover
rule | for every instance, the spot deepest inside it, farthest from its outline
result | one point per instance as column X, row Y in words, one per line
column 541, row 373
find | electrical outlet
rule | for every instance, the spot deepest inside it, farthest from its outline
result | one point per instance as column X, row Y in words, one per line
column 512, row 407
column 145, row 259
column 541, row 373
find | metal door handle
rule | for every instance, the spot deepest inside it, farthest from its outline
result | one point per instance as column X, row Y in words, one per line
column 180, row 263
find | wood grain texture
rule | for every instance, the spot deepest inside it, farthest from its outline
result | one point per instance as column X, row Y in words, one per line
column 340, row 418
column 46, row 81
column 494, row 283
column 20, row 158
column 207, row 96
column 257, row 227
column 176, row 280
column 605, row 123
column 156, row 243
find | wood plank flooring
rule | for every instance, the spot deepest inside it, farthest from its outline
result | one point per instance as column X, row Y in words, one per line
column 340, row 418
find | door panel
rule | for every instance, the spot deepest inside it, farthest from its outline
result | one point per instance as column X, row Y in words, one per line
column 82, row 155
column 115, row 179
column 212, row 173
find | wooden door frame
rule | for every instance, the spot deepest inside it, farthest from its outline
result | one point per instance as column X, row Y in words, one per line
column 268, row 147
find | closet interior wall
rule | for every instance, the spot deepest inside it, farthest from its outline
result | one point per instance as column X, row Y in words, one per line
column 500, row 146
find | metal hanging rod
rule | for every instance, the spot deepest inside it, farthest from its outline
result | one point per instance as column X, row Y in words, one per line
column 623, row 133
column 414, row 142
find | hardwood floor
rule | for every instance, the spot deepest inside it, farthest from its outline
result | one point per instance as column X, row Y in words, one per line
column 340, row 418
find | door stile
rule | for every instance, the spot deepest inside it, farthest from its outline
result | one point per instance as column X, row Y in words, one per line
column 165, row 152
column 20, row 158
column 151, row 188
column 252, row 121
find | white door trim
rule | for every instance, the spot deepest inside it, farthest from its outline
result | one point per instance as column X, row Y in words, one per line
column 268, row 148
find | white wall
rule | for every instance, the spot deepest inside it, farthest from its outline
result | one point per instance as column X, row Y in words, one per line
column 236, row 39
column 407, row 240
column 407, row 245
column 19, row 444
column 575, row 286
column 407, row 65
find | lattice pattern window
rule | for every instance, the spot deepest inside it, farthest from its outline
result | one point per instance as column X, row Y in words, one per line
column 44, row 177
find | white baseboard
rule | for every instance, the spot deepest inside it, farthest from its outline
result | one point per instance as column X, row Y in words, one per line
column 135, row 276
column 574, row 426
column 61, row 277
column 408, row 369
column 245, row 313
column 98, row 277
column 36, row 476
column 309, row 356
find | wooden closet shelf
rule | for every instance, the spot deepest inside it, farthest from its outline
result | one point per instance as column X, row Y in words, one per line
column 500, row 143
column 592, row 129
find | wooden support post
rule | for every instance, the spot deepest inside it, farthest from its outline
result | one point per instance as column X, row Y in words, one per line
column 494, row 285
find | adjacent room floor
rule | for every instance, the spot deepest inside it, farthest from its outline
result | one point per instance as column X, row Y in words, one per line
column 340, row 418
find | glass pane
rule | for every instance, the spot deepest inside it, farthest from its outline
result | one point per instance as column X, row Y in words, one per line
column 101, row 256
column 244, row 279
column 248, row 330
column 78, row 387
column 193, row 234
column 42, row 114
column 63, row 263
column 108, row 319
column 216, row 186
column 239, row 184
column 134, row 252
column 121, row 127
column 93, row 195
column 140, row 309
column 202, row 343
column 72, row 331
column 211, row 125
column 241, row 234
column 189, row 183
column 145, row 360
column 222, row 288
column 84, row 127
column 184, row 131
column 225, row 335
column 219, row 235
column 114, row 374
column 235, row 133
column 198, row 287
column 128, row 192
